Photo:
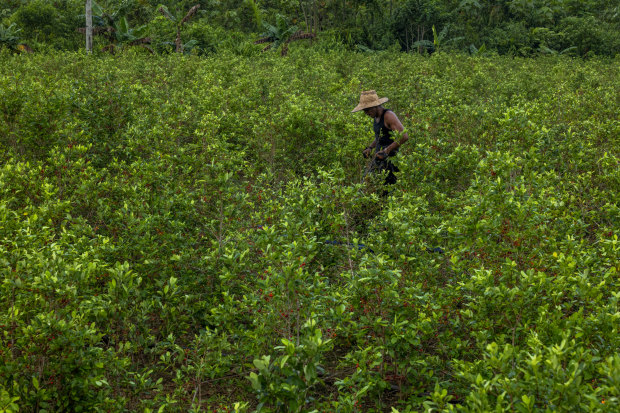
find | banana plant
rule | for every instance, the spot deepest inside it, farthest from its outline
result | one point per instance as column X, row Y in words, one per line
column 114, row 26
column 439, row 40
column 281, row 35
column 180, row 21
column 8, row 36
column 128, row 36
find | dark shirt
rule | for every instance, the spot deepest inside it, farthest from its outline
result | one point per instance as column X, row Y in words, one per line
column 383, row 134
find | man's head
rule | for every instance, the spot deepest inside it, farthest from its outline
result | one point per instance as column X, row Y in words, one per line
column 374, row 111
column 370, row 103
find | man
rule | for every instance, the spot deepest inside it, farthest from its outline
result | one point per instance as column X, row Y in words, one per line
column 385, row 121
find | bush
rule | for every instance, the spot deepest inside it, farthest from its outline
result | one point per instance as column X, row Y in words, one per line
column 171, row 226
column 52, row 25
column 590, row 36
column 512, row 38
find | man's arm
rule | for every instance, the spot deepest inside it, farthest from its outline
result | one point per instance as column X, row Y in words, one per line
column 392, row 122
column 369, row 149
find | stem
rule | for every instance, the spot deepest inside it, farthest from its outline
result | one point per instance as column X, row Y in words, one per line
column 514, row 333
column 13, row 324
column 298, row 326
column 346, row 223
column 303, row 11
column 177, row 41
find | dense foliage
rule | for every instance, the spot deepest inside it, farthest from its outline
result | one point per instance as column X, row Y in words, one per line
column 515, row 27
column 182, row 233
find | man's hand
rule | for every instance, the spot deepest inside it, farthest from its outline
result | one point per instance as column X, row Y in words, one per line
column 366, row 152
column 381, row 155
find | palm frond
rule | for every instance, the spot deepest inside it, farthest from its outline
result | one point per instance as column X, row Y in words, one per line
column 166, row 13
column 264, row 40
column 424, row 43
column 144, row 40
column 190, row 13
column 300, row 35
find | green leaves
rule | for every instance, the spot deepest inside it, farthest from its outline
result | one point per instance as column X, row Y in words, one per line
column 281, row 34
column 7, row 402
column 164, row 10
column 177, row 227
column 9, row 36
column 287, row 381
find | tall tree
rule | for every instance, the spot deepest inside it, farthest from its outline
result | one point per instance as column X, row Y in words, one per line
column 89, row 26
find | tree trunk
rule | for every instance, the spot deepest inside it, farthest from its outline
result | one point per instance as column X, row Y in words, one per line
column 89, row 26
column 177, row 42
column 303, row 10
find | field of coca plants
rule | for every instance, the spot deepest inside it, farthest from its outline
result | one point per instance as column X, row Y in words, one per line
column 184, row 234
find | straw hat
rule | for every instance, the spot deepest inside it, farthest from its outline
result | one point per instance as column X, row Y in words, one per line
column 369, row 99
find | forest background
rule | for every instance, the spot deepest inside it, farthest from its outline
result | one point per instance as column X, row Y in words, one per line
column 514, row 27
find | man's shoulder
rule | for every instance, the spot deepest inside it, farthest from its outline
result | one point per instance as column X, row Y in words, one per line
column 389, row 115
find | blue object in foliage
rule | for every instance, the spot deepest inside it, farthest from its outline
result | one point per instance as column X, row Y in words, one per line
column 436, row 249
column 348, row 244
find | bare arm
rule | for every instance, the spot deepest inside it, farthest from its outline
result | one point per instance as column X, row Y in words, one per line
column 392, row 122
column 369, row 148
